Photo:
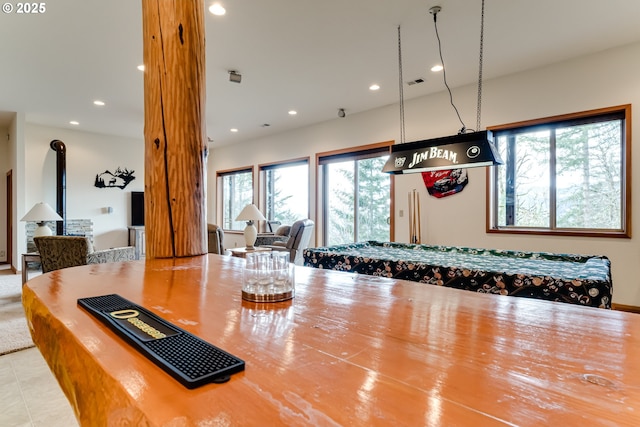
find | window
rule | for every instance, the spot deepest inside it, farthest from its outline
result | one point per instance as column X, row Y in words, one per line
column 356, row 196
column 285, row 191
column 235, row 192
column 563, row 175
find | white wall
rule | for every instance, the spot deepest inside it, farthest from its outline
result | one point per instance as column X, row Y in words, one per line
column 601, row 80
column 16, row 154
column 5, row 166
column 88, row 154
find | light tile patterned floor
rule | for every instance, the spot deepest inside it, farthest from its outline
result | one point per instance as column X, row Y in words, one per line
column 29, row 393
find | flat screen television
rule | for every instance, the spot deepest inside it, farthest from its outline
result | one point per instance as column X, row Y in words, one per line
column 137, row 208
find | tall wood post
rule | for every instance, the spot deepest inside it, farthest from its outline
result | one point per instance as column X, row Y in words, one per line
column 174, row 128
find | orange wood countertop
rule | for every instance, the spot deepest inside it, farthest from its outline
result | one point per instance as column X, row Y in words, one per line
column 347, row 350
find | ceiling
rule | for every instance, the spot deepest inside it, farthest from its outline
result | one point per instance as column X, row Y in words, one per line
column 307, row 55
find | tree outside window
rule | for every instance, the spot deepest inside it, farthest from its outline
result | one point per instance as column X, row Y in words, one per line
column 286, row 191
column 565, row 175
column 237, row 192
column 357, row 198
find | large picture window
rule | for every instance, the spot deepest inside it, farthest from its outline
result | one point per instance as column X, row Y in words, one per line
column 356, row 196
column 285, row 191
column 564, row 175
column 236, row 191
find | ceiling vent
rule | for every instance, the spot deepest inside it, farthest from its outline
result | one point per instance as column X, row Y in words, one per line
column 415, row 82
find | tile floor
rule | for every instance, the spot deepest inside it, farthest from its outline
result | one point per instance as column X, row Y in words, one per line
column 29, row 393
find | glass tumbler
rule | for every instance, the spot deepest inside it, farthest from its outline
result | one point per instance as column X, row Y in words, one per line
column 267, row 277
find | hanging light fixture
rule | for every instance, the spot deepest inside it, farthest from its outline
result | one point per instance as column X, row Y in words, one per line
column 464, row 150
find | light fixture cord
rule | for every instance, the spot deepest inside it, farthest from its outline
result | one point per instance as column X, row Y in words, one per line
column 479, row 108
column 444, row 73
column 400, row 86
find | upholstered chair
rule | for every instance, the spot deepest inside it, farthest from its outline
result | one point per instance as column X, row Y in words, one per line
column 272, row 226
column 281, row 235
column 298, row 241
column 58, row 252
column 216, row 237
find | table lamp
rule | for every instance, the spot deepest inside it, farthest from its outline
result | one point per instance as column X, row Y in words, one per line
column 250, row 213
column 42, row 213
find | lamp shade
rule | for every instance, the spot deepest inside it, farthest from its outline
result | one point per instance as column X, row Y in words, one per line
column 41, row 212
column 250, row 213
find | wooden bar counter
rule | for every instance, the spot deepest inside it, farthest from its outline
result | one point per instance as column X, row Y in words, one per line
column 347, row 350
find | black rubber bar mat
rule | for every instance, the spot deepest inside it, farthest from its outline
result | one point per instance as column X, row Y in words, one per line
column 187, row 358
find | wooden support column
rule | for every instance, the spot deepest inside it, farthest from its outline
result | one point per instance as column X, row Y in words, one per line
column 174, row 128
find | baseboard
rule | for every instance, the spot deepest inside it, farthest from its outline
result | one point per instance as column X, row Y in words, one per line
column 628, row 308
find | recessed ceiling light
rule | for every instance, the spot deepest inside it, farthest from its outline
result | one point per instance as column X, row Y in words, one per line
column 141, row 67
column 98, row 103
column 233, row 130
column 73, row 122
column 374, row 87
column 437, row 68
column 217, row 9
column 292, row 112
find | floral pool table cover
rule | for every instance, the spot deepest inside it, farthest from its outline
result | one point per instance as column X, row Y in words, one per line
column 576, row 279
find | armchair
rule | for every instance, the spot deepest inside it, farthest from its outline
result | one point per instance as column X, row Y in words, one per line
column 298, row 241
column 273, row 226
column 215, row 236
column 281, row 235
column 58, row 252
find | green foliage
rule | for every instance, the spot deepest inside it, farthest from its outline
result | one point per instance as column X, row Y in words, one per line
column 588, row 177
column 237, row 192
column 589, row 172
column 287, row 196
column 358, row 190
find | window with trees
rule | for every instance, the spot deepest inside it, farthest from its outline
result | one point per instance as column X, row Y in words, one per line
column 235, row 189
column 563, row 175
column 356, row 196
column 285, row 191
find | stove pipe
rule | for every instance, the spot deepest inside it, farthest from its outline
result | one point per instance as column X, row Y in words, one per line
column 61, row 185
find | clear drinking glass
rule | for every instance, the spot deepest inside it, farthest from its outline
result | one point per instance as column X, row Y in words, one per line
column 281, row 274
column 267, row 277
